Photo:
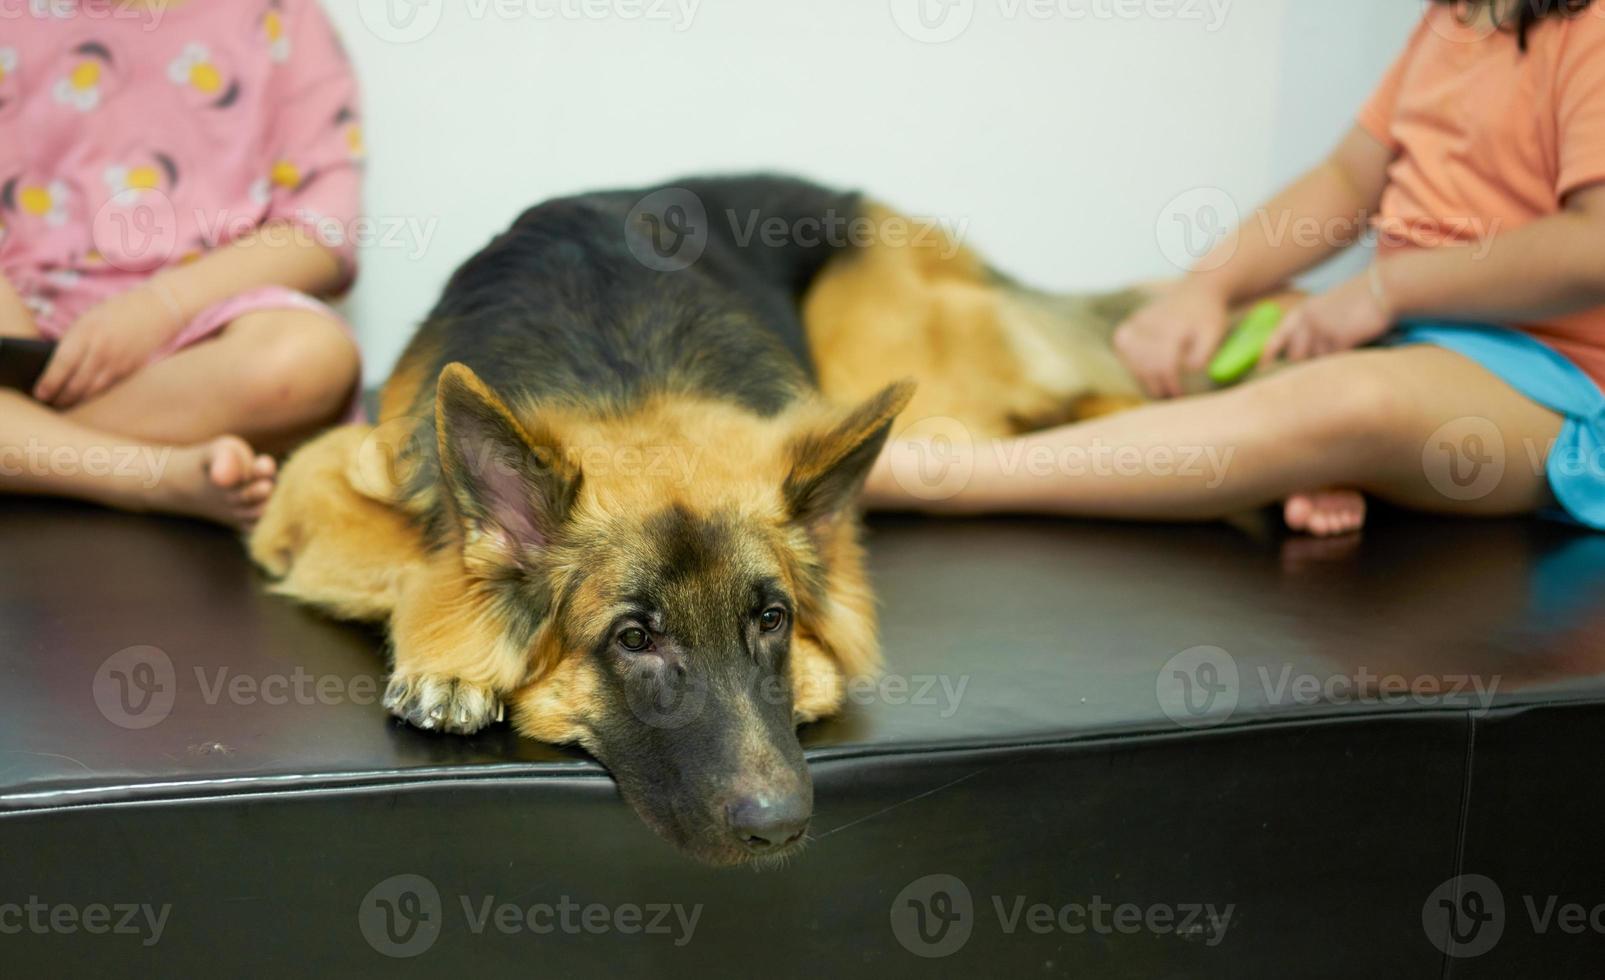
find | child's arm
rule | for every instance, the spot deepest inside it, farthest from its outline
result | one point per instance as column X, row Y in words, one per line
column 1549, row 268
column 278, row 254
column 1319, row 215
column 117, row 337
column 15, row 318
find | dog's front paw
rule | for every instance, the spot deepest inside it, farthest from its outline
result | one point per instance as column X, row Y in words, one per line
column 440, row 703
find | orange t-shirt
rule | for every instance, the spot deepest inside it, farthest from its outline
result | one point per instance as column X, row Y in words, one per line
column 1489, row 138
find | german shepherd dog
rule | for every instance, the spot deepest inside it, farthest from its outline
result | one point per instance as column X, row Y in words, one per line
column 614, row 478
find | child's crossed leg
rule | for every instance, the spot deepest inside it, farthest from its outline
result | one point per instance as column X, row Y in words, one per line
column 191, row 433
column 1359, row 420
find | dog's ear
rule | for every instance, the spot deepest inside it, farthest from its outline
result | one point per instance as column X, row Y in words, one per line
column 511, row 486
column 828, row 467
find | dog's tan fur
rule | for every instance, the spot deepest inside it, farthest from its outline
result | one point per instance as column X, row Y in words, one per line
column 330, row 544
column 999, row 359
column 994, row 357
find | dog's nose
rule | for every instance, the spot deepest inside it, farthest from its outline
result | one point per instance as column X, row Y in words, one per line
column 766, row 824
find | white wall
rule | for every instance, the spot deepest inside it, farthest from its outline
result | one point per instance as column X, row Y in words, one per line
column 1059, row 133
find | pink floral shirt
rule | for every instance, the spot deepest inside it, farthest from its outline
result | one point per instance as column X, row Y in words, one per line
column 132, row 139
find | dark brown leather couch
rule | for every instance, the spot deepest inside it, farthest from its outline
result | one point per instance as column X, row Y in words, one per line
column 1102, row 751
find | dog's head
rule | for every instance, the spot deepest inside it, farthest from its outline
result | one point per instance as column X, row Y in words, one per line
column 674, row 574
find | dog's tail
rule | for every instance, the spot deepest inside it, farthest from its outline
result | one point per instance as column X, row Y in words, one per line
column 1096, row 313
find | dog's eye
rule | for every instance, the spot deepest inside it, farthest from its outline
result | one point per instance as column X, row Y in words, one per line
column 772, row 619
column 635, row 639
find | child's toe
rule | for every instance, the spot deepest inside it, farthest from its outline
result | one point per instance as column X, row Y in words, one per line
column 1297, row 511
column 253, row 494
column 232, row 463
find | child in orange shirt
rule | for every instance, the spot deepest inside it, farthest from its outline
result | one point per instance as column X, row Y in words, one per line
column 1481, row 158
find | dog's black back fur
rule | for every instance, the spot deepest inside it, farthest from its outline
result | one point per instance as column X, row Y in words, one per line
column 560, row 307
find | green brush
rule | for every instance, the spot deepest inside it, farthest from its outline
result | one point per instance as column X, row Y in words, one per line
column 1242, row 350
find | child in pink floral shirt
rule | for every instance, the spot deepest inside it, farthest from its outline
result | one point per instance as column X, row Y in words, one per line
column 178, row 181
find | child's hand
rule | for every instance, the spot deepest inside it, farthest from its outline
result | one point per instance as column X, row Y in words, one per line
column 1350, row 316
column 1180, row 330
column 106, row 345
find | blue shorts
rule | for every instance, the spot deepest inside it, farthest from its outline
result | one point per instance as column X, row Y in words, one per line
column 1576, row 464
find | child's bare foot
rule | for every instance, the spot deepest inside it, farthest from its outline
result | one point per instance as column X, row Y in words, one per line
column 1325, row 513
column 224, row 480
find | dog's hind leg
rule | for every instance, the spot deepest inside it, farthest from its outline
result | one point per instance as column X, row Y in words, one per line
column 994, row 355
column 329, row 537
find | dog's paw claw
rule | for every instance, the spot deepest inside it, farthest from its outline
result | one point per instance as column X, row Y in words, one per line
column 395, row 693
column 443, row 704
